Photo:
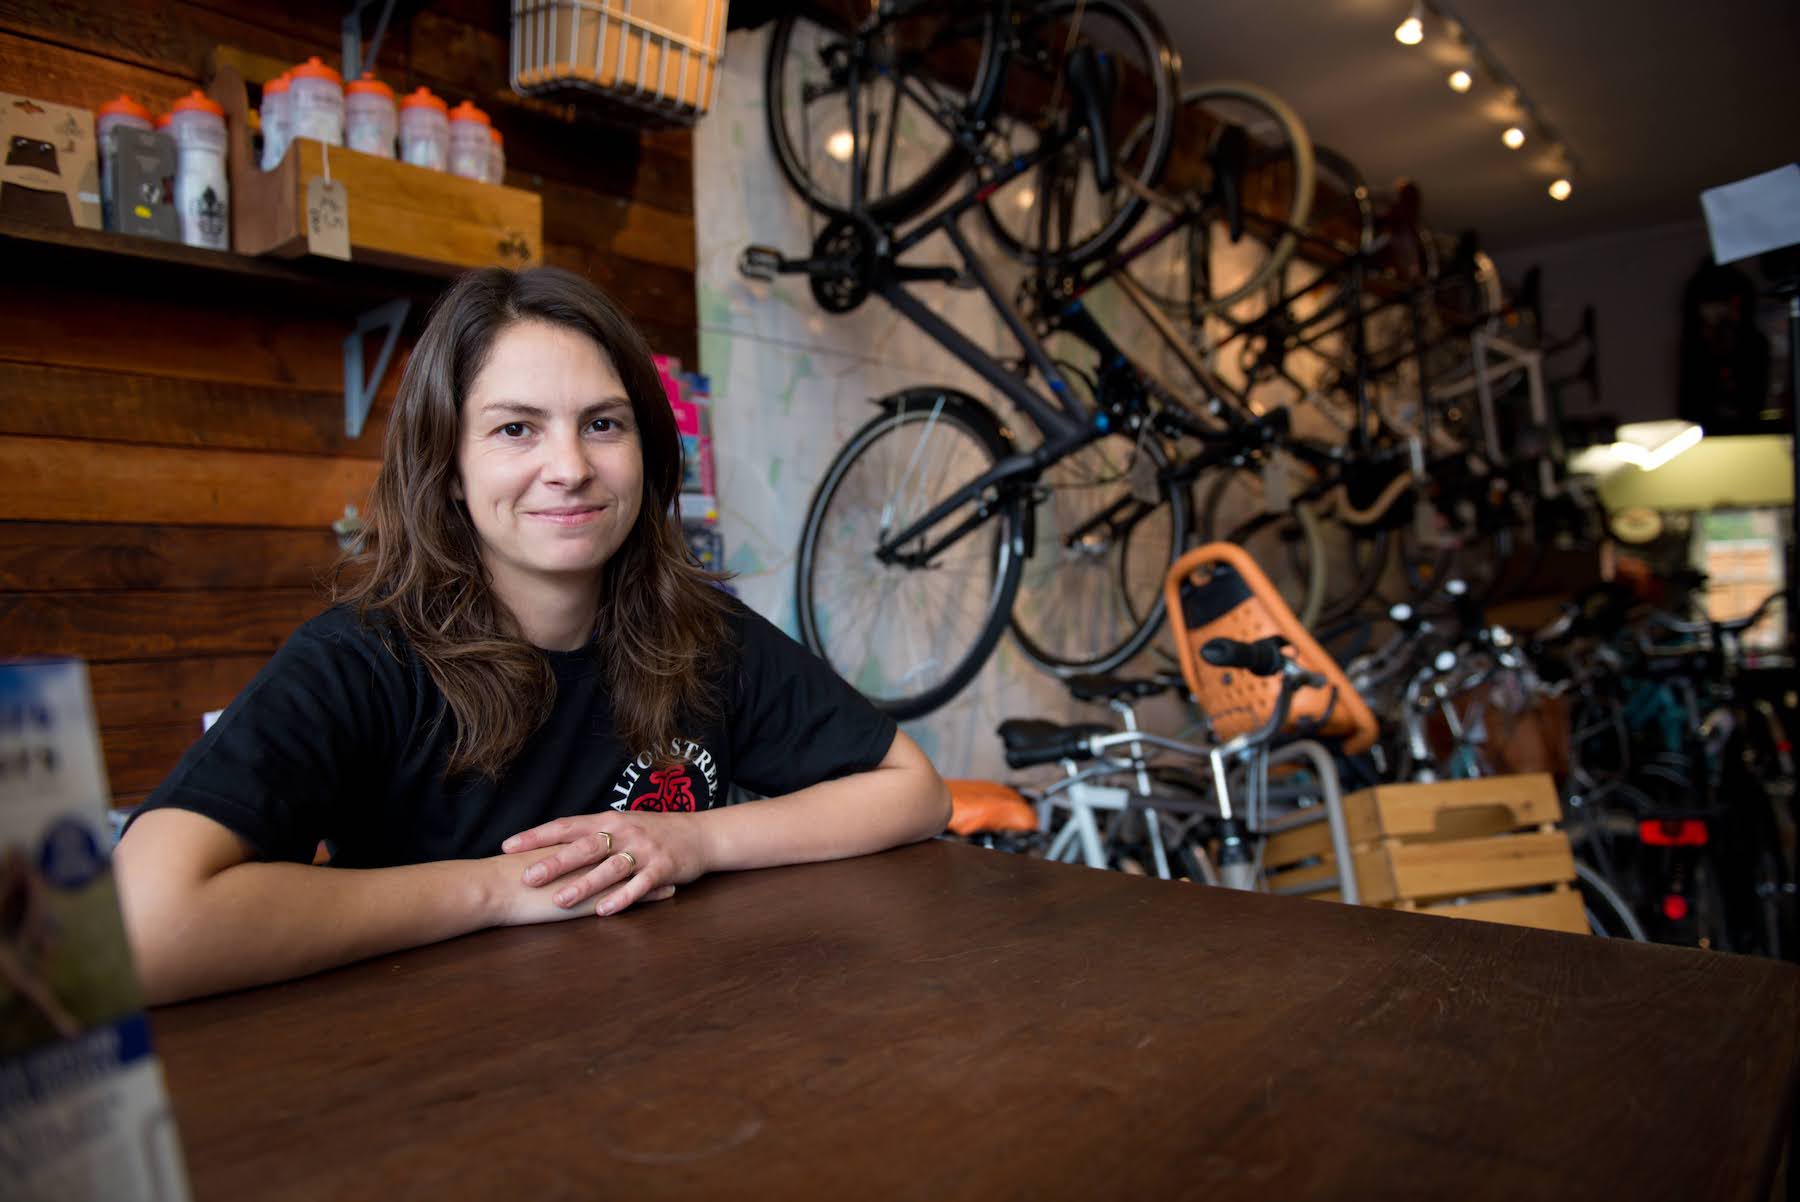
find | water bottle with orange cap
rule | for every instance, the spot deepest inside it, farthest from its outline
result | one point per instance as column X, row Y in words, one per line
column 370, row 117
column 202, row 192
column 318, row 102
column 425, row 130
column 471, row 149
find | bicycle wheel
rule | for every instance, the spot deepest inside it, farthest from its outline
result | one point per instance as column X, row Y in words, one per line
column 923, row 74
column 910, row 635
column 1285, row 544
column 1247, row 136
column 1057, row 214
column 1104, row 537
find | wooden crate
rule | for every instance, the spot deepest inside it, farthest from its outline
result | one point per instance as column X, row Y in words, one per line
column 401, row 216
column 1483, row 849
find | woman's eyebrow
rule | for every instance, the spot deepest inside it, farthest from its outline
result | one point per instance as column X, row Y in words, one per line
column 520, row 408
column 523, row 409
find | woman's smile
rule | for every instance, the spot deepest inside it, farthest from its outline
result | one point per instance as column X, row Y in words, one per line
column 569, row 515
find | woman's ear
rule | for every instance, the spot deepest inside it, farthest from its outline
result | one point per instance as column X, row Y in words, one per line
column 456, row 489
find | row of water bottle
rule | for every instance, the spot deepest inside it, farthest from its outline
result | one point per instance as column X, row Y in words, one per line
column 308, row 101
column 312, row 101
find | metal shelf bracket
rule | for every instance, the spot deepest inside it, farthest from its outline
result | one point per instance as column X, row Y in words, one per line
column 359, row 389
column 357, row 57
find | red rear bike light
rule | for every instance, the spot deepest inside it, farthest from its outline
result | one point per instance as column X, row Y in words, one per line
column 1672, row 832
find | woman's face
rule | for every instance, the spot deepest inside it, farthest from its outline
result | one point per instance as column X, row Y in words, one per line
column 548, row 458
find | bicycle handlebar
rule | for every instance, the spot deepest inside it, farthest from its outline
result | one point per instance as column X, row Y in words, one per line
column 1261, row 658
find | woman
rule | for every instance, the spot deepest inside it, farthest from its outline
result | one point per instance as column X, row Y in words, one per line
column 531, row 704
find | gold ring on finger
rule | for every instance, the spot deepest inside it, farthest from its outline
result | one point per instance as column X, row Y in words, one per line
column 629, row 856
column 607, row 835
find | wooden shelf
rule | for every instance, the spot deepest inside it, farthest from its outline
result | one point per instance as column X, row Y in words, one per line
column 316, row 284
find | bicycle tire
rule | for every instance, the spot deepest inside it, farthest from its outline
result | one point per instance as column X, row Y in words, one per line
column 1608, row 912
column 1041, row 43
column 1056, row 629
column 1287, row 545
column 1276, row 114
column 879, row 477
column 804, row 163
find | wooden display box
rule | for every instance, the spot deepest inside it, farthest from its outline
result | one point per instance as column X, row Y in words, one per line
column 401, row 216
column 1484, row 849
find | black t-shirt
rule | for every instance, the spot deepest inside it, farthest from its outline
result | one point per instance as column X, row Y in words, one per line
column 344, row 736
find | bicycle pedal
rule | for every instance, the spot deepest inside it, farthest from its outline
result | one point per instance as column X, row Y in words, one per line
column 760, row 263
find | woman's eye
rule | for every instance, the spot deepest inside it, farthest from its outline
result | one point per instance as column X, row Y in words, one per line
column 513, row 429
column 603, row 425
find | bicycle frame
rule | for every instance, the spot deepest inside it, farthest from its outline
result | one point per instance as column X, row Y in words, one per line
column 1065, row 422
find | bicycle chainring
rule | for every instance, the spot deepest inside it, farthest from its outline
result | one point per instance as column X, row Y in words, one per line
column 850, row 246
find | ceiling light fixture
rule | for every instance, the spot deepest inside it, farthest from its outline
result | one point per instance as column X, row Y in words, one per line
column 1461, row 81
column 1411, row 31
column 1560, row 188
column 840, row 145
column 1514, row 137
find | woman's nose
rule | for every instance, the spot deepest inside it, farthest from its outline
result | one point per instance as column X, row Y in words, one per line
column 566, row 461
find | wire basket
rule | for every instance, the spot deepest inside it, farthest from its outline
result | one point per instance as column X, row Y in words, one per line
column 657, row 56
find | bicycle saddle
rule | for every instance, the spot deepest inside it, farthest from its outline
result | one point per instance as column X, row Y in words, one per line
column 1090, row 687
column 1032, row 741
column 984, row 805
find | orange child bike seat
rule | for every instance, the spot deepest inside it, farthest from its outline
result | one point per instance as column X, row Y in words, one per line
column 1217, row 591
column 983, row 805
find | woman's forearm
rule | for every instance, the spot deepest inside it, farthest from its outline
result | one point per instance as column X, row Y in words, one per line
column 900, row 801
column 254, row 923
column 203, row 918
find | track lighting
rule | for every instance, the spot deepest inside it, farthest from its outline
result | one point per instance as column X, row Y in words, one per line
column 1527, row 123
column 1411, row 31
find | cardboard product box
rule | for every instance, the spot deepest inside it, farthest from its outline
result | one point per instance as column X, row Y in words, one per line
column 49, row 167
column 83, row 1112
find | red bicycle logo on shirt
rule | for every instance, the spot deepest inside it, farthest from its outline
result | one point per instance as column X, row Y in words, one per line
column 673, row 791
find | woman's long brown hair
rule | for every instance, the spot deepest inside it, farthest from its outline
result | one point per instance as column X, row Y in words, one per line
column 661, row 622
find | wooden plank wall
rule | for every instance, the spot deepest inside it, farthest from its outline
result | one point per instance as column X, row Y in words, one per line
column 171, row 459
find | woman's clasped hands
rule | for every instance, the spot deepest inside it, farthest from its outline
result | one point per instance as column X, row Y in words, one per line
column 613, row 860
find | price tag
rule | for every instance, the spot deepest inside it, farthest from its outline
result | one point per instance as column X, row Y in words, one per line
column 327, row 218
